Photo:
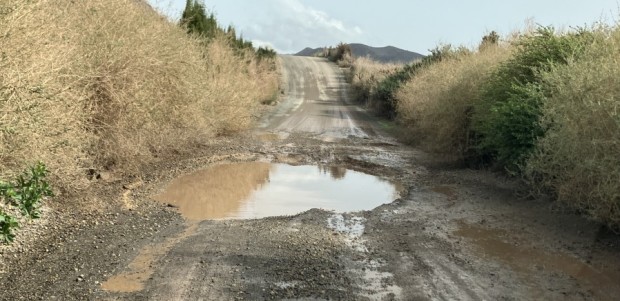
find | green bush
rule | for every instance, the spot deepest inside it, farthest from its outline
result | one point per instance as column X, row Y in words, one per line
column 265, row 53
column 434, row 108
column 26, row 193
column 7, row 224
column 578, row 159
column 506, row 119
column 339, row 53
column 197, row 21
column 27, row 190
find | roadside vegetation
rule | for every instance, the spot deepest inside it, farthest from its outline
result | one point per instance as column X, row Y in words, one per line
column 93, row 86
column 24, row 195
column 541, row 105
column 341, row 54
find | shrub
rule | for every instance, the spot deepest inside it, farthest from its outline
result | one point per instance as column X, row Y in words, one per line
column 196, row 20
column 365, row 75
column 265, row 53
column 26, row 193
column 506, row 120
column 435, row 107
column 7, row 224
column 383, row 100
column 339, row 53
column 578, row 158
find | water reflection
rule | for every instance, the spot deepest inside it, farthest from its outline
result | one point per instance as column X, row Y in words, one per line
column 215, row 192
column 336, row 172
column 256, row 190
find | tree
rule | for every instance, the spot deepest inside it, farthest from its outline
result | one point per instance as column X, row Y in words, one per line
column 196, row 20
column 488, row 40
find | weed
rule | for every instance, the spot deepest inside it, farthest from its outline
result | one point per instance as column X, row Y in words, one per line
column 7, row 224
column 28, row 190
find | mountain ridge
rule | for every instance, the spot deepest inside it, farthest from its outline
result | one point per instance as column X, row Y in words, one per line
column 386, row 54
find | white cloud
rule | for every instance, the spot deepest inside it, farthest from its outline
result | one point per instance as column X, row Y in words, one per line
column 291, row 26
column 267, row 44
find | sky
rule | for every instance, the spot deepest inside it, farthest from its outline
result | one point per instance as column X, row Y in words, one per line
column 289, row 26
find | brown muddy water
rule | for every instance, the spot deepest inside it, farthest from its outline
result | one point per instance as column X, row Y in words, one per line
column 254, row 190
column 528, row 261
column 257, row 190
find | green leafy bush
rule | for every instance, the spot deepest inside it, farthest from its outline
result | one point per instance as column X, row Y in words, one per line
column 578, row 159
column 265, row 53
column 7, row 224
column 434, row 108
column 506, row 118
column 26, row 193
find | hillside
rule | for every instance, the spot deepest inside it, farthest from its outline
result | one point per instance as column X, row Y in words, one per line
column 388, row 54
column 118, row 89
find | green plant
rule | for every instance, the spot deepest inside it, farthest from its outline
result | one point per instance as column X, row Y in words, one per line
column 434, row 107
column 196, row 20
column 577, row 160
column 7, row 224
column 28, row 190
column 265, row 53
column 506, row 118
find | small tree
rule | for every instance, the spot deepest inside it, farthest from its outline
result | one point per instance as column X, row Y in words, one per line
column 196, row 20
column 488, row 40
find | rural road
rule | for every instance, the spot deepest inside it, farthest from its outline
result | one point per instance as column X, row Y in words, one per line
column 315, row 101
column 449, row 233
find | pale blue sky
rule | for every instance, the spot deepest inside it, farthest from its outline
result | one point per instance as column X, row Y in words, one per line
column 291, row 25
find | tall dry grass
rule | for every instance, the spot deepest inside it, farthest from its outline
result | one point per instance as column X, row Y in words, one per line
column 365, row 75
column 578, row 159
column 435, row 106
column 111, row 84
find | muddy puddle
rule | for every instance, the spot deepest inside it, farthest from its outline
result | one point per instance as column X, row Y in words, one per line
column 257, row 190
column 529, row 261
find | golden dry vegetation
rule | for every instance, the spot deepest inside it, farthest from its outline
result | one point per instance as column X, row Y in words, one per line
column 113, row 85
column 435, row 107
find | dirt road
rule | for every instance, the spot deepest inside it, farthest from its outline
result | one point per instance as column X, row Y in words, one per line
column 315, row 101
column 451, row 234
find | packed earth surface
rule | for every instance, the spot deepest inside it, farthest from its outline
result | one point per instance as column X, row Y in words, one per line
column 447, row 233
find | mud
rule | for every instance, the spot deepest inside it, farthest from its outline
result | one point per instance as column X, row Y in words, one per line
column 451, row 234
column 529, row 261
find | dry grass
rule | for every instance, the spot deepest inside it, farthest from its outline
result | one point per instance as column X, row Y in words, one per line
column 365, row 75
column 112, row 84
column 434, row 107
column 579, row 158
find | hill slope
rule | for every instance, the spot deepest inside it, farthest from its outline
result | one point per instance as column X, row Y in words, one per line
column 388, row 54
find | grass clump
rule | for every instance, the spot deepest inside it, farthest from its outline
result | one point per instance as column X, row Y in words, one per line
column 578, row 158
column 114, row 85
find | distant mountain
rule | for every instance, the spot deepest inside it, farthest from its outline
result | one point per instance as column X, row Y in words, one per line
column 388, row 54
